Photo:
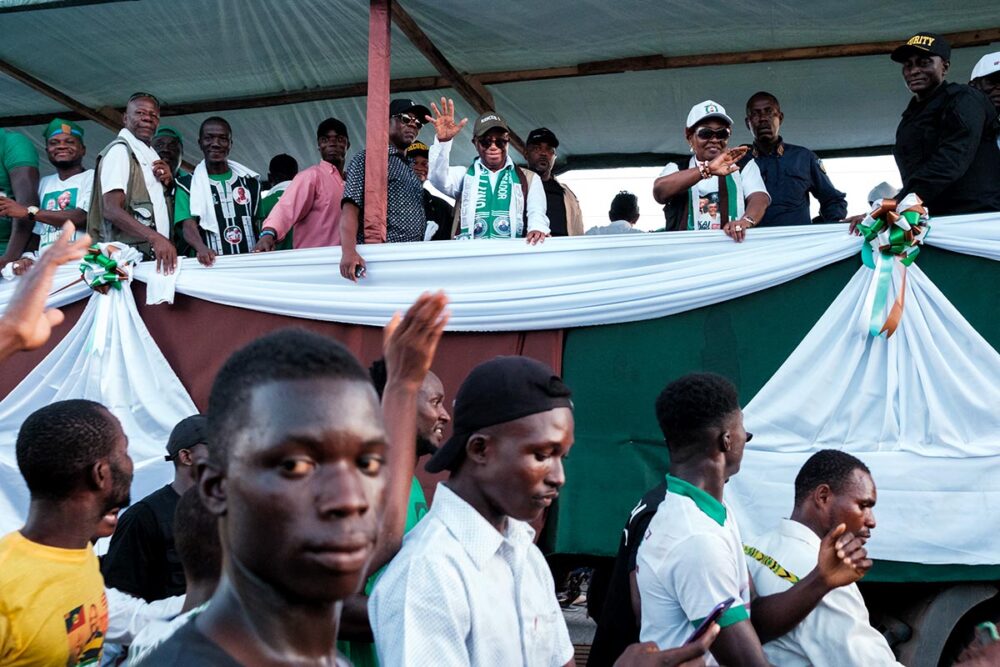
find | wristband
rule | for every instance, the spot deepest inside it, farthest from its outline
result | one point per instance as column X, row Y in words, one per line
column 705, row 171
column 753, row 223
column 268, row 232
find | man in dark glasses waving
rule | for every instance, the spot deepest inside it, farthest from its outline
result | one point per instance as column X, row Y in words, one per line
column 495, row 199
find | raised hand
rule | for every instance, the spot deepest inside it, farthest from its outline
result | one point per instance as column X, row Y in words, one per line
column 443, row 120
column 410, row 343
column 843, row 558
column 725, row 163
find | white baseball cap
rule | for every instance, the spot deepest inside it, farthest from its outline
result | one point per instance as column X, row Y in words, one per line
column 707, row 109
column 988, row 64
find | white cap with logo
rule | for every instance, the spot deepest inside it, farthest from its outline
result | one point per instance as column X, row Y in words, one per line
column 988, row 64
column 705, row 110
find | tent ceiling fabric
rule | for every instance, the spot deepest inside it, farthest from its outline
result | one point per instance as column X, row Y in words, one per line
column 196, row 50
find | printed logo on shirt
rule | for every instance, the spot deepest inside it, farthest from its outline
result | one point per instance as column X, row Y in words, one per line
column 240, row 195
column 233, row 234
column 75, row 619
column 59, row 200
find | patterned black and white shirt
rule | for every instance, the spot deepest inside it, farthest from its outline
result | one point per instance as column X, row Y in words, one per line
column 406, row 220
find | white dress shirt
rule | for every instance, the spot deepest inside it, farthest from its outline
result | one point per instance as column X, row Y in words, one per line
column 837, row 632
column 461, row 593
column 448, row 180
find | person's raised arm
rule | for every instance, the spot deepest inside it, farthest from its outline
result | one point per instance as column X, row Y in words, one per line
column 842, row 561
column 410, row 345
column 670, row 185
column 26, row 324
column 439, row 171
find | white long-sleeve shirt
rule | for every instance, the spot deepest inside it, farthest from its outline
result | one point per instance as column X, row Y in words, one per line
column 449, row 181
column 837, row 632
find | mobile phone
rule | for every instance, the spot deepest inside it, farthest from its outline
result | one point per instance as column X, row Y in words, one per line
column 986, row 633
column 359, row 271
column 712, row 617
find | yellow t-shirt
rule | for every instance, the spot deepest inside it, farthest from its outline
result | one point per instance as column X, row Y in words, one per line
column 52, row 605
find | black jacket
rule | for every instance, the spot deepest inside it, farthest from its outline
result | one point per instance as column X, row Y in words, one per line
column 947, row 153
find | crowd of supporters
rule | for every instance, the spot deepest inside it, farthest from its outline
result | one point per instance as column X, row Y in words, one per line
column 280, row 539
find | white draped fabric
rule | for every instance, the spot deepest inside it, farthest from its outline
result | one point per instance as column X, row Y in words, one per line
column 108, row 357
column 974, row 234
column 921, row 409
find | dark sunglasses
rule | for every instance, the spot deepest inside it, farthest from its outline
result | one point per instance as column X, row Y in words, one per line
column 486, row 142
column 705, row 134
column 409, row 119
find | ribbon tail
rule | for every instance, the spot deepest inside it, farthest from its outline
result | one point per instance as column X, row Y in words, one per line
column 896, row 313
column 882, row 281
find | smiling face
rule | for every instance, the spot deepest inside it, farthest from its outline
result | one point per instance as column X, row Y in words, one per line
column 492, row 148
column 923, row 73
column 141, row 118
column 215, row 141
column 302, row 488
column 65, row 150
column 432, row 416
column 711, row 147
column 520, row 466
column 420, row 166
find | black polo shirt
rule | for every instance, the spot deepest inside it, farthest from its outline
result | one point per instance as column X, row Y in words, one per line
column 616, row 623
column 946, row 151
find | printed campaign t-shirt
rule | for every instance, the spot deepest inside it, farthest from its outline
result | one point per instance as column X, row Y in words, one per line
column 55, row 194
column 53, row 610
column 237, row 209
column 16, row 150
column 706, row 209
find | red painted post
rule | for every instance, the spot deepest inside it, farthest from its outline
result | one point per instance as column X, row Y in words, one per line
column 377, row 133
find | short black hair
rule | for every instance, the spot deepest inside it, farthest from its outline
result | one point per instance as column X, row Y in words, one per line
column 379, row 375
column 331, row 124
column 283, row 164
column 215, row 119
column 762, row 94
column 59, row 443
column 286, row 354
column 144, row 96
column 196, row 538
column 693, row 403
column 625, row 206
column 827, row 466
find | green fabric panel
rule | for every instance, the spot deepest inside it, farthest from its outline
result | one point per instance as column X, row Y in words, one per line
column 733, row 615
column 617, row 371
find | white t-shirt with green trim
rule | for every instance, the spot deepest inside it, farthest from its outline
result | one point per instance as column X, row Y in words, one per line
column 687, row 563
column 55, row 194
column 748, row 181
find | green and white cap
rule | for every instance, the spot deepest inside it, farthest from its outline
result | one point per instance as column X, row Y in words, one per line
column 705, row 110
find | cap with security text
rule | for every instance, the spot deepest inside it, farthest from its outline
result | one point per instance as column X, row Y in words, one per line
column 495, row 392
column 929, row 43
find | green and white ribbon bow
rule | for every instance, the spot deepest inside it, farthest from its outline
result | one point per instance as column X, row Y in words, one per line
column 107, row 265
column 892, row 233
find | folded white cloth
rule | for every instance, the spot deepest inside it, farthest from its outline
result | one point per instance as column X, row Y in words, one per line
column 160, row 288
column 146, row 156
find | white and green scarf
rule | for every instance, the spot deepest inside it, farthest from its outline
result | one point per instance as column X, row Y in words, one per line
column 491, row 212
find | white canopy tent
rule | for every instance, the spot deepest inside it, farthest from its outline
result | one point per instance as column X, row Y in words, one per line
column 613, row 80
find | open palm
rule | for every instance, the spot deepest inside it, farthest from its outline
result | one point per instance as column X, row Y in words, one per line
column 444, row 120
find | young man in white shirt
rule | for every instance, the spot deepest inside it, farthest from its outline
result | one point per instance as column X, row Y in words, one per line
column 691, row 557
column 832, row 488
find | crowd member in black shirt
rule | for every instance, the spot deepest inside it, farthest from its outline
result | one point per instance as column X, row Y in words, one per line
column 614, row 604
column 562, row 207
column 141, row 559
column 946, row 147
column 790, row 172
column 437, row 210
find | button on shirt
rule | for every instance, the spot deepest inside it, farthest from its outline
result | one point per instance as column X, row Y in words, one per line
column 311, row 205
column 405, row 218
column 461, row 593
column 690, row 559
column 834, row 634
column 790, row 173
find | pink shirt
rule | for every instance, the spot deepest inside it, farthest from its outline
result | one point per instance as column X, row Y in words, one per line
column 312, row 204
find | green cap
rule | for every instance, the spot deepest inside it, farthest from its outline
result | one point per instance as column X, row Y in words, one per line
column 167, row 131
column 62, row 126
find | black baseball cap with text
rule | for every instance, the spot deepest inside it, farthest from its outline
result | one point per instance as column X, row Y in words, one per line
column 542, row 135
column 929, row 43
column 487, row 122
column 495, row 392
column 401, row 106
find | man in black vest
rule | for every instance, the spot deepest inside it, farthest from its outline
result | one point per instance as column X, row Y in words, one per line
column 142, row 560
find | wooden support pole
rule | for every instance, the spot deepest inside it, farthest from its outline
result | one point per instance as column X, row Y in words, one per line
column 377, row 128
column 78, row 107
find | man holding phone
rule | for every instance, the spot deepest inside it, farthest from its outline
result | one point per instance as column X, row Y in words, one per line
column 691, row 556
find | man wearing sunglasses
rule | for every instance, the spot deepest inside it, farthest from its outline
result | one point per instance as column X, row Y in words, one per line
column 495, row 199
column 790, row 172
column 404, row 216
